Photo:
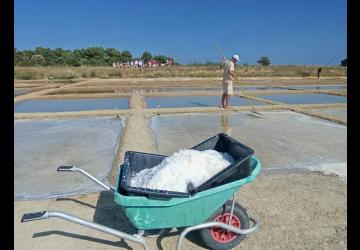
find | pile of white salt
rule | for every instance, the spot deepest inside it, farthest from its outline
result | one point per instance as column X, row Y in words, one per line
column 185, row 166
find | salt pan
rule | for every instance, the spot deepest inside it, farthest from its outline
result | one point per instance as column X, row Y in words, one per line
column 185, row 166
column 339, row 169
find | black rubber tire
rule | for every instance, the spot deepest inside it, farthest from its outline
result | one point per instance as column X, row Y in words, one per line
column 208, row 239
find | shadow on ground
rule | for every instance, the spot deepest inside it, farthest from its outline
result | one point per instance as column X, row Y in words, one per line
column 120, row 243
column 110, row 214
column 107, row 213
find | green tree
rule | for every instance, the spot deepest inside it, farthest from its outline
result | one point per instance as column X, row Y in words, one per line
column 93, row 55
column 161, row 58
column 77, row 54
column 24, row 57
column 60, row 56
column 59, row 52
column 59, row 61
column 24, row 60
column 48, row 55
column 344, row 62
column 38, row 60
column 72, row 61
column 112, row 55
column 126, row 56
column 264, row 61
column 146, row 56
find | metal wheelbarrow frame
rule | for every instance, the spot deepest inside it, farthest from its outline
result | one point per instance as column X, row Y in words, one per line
column 139, row 237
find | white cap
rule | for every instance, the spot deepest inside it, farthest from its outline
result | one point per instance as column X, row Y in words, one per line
column 236, row 57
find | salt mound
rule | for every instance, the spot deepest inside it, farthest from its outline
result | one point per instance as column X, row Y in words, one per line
column 176, row 171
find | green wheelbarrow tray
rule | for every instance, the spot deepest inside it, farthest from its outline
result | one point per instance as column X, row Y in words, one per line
column 145, row 213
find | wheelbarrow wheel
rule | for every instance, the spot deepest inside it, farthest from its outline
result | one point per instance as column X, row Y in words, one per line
column 221, row 239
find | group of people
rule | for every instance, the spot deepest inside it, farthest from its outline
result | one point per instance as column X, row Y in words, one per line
column 141, row 63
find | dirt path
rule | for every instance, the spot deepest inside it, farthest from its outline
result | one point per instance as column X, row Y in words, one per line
column 136, row 136
column 303, row 210
column 44, row 92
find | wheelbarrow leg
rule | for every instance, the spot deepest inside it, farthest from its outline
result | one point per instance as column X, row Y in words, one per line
column 232, row 208
column 75, row 169
column 47, row 214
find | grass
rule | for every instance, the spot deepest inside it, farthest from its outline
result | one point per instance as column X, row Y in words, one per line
column 30, row 73
column 24, row 76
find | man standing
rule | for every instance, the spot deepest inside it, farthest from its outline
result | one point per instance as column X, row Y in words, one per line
column 229, row 76
column 318, row 72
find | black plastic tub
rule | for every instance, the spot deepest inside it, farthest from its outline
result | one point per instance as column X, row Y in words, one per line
column 238, row 170
column 134, row 162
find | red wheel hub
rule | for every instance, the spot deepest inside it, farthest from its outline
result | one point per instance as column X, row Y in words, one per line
column 221, row 235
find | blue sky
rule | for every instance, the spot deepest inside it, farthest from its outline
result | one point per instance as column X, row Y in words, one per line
column 287, row 31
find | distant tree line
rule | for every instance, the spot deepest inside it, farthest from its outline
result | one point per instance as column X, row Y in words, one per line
column 93, row 56
column 96, row 56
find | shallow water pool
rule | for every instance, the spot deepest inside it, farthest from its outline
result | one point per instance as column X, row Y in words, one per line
column 337, row 112
column 312, row 87
column 194, row 101
column 21, row 91
column 281, row 140
column 306, row 98
column 40, row 146
column 63, row 105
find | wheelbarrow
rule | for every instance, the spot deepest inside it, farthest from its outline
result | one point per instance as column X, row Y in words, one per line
column 221, row 223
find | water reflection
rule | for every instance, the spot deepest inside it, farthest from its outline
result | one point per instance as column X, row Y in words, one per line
column 225, row 124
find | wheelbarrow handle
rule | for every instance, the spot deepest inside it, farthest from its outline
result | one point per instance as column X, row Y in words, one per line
column 75, row 169
column 34, row 216
column 48, row 214
column 66, row 168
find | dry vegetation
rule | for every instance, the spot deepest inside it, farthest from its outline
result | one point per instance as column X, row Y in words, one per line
column 28, row 73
